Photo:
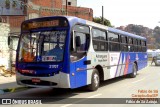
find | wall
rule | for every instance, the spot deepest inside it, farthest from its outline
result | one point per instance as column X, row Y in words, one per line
column 4, row 50
column 81, row 12
column 40, row 8
column 73, row 2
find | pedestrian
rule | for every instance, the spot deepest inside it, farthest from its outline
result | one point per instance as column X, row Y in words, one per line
column 153, row 59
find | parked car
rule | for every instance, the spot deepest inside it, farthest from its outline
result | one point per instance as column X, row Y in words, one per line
column 157, row 60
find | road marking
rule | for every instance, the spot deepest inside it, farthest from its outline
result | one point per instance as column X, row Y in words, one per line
column 94, row 95
column 66, row 105
column 138, row 80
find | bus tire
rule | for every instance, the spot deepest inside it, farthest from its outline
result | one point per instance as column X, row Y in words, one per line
column 95, row 81
column 134, row 71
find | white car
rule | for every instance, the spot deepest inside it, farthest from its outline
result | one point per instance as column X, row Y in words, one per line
column 157, row 60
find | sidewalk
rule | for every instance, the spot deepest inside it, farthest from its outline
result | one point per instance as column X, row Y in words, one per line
column 8, row 82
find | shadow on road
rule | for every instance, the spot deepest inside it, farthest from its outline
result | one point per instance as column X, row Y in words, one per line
column 154, row 66
column 50, row 95
column 10, row 85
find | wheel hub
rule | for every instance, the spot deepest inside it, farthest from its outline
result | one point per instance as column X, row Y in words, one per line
column 96, row 80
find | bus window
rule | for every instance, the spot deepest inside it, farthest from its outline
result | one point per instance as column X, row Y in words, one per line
column 99, row 40
column 78, row 51
column 144, row 48
column 130, row 45
column 124, row 46
column 139, row 46
column 45, row 44
column 135, row 42
column 83, row 42
column 113, row 42
column 80, row 28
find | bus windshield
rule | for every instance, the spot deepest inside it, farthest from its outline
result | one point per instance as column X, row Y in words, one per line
column 42, row 46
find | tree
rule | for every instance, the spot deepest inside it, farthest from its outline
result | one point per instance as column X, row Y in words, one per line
column 7, row 4
column 156, row 34
column 99, row 20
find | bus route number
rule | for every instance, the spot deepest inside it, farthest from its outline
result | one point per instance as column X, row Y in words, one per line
column 53, row 66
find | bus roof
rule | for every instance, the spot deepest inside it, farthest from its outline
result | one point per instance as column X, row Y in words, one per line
column 73, row 20
column 79, row 20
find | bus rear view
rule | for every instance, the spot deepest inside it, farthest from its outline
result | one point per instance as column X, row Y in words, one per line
column 41, row 53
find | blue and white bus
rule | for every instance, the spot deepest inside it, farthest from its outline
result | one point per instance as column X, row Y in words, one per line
column 69, row 52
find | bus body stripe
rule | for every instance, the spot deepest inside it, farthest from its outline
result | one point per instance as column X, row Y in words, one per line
column 117, row 70
column 127, row 64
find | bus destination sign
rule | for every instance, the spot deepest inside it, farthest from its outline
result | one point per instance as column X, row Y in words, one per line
column 44, row 24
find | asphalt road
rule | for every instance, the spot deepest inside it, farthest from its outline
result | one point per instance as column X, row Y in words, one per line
column 146, row 82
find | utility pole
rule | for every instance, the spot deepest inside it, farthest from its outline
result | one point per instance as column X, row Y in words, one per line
column 102, row 16
column 66, row 7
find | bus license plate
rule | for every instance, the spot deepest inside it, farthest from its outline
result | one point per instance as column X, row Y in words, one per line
column 37, row 80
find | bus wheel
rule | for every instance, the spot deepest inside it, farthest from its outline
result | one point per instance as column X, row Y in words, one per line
column 95, row 80
column 134, row 71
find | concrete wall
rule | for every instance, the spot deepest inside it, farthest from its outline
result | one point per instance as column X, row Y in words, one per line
column 40, row 8
column 4, row 50
column 73, row 2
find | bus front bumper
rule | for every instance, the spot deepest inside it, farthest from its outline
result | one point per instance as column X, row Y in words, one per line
column 60, row 80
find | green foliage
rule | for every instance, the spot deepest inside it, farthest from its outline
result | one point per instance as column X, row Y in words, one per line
column 99, row 20
column 138, row 29
column 152, row 35
column 7, row 4
column 156, row 34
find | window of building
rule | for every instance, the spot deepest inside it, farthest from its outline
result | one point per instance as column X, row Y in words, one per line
column 69, row 3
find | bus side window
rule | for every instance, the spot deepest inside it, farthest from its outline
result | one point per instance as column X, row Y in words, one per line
column 100, row 42
column 139, row 46
column 135, row 42
column 144, row 47
column 83, row 42
column 79, row 42
column 130, row 45
column 114, row 44
column 124, row 46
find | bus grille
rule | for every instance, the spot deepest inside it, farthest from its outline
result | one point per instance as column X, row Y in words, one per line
column 42, row 83
column 40, row 75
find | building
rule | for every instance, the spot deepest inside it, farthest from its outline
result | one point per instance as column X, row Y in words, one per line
column 40, row 8
column 70, row 2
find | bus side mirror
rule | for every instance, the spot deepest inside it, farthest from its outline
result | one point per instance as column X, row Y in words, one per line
column 78, row 41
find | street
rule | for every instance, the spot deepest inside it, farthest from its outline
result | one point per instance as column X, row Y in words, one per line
column 147, row 80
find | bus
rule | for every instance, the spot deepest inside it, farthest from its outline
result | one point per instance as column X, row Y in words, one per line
column 70, row 52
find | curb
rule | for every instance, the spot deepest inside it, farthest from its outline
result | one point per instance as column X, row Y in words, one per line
column 11, row 90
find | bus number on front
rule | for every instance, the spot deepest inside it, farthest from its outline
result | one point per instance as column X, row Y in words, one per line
column 53, row 66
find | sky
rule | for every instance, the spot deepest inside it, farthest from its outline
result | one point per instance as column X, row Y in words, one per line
column 124, row 12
